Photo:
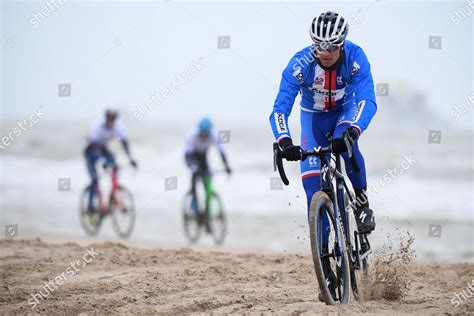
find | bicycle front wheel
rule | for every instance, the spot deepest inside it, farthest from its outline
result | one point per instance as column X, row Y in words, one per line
column 122, row 208
column 217, row 219
column 90, row 220
column 328, row 247
column 191, row 218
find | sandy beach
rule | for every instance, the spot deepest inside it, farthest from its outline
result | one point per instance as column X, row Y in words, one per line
column 114, row 278
column 161, row 68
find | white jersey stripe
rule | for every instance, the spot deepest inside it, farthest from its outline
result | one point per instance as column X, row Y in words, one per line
column 312, row 172
column 283, row 136
column 344, row 122
column 307, row 110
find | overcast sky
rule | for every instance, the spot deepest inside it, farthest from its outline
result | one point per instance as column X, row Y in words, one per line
column 122, row 53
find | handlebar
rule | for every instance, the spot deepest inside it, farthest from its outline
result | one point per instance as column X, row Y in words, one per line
column 278, row 163
column 317, row 151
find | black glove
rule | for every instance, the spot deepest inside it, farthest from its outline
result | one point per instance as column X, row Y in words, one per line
column 339, row 146
column 133, row 163
column 353, row 133
column 290, row 151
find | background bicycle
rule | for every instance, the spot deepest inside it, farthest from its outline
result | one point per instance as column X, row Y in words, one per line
column 119, row 205
column 203, row 210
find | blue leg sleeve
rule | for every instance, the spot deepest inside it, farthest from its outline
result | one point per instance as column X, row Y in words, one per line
column 92, row 155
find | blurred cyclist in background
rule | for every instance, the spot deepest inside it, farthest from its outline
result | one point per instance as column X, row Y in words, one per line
column 100, row 133
column 198, row 142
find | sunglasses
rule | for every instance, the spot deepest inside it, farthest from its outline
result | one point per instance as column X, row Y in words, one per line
column 326, row 47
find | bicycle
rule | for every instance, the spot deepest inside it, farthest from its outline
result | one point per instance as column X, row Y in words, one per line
column 121, row 207
column 204, row 213
column 345, row 257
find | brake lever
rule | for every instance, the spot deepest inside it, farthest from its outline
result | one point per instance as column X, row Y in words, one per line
column 350, row 151
column 349, row 145
column 275, row 157
column 278, row 162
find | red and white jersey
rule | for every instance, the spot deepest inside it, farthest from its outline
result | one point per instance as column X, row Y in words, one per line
column 328, row 89
column 99, row 134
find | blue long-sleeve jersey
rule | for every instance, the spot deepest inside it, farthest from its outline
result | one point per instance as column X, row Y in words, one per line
column 349, row 84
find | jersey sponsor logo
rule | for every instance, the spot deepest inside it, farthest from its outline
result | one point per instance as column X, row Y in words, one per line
column 355, row 67
column 322, row 96
column 319, row 81
column 339, row 80
column 360, row 108
column 313, row 161
column 325, row 92
column 280, row 122
column 298, row 75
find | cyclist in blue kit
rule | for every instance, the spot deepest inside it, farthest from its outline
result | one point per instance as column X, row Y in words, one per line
column 337, row 97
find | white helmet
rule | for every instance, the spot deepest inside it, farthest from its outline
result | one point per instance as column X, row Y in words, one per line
column 329, row 28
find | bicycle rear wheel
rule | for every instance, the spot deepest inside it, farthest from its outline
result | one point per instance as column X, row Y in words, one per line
column 217, row 219
column 191, row 218
column 90, row 221
column 122, row 209
column 330, row 260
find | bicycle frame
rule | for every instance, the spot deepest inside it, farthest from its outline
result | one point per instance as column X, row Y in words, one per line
column 208, row 188
column 115, row 185
column 113, row 196
column 340, row 207
column 336, row 195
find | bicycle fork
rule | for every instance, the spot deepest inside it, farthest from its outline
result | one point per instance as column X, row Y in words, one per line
column 328, row 187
